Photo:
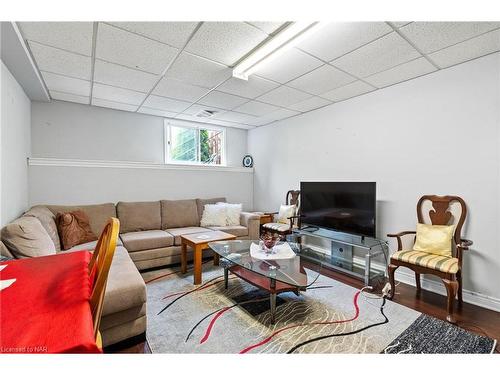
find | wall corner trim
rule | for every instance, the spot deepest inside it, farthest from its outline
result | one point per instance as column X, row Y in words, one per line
column 81, row 163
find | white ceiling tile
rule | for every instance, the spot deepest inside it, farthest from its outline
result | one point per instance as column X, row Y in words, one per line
column 175, row 89
column 267, row 27
column 280, row 114
column 310, row 104
column 235, row 117
column 432, row 36
column 228, row 124
column 64, row 96
column 197, row 108
column 401, row 73
column 121, row 76
column 252, row 88
column 174, row 33
column 191, row 118
column 288, row 66
column 71, row 36
column 225, row 42
column 56, row 82
column 117, row 94
column 125, row 48
column 256, row 108
column 399, row 24
column 114, row 105
column 321, row 80
column 348, row 91
column 470, row 49
column 156, row 112
column 198, row 71
column 222, row 100
column 58, row 61
column 284, row 96
column 382, row 54
column 339, row 38
column 166, row 104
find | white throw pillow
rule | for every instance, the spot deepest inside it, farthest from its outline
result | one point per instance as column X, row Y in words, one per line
column 286, row 212
column 214, row 215
column 233, row 212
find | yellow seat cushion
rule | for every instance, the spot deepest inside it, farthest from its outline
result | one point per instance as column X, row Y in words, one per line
column 434, row 239
column 427, row 260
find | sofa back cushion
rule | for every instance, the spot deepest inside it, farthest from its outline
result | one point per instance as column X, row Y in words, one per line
column 47, row 219
column 179, row 214
column 98, row 214
column 200, row 204
column 25, row 237
column 138, row 216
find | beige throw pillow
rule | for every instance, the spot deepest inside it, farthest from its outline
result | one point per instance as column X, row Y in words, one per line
column 434, row 239
column 214, row 215
column 47, row 219
column 233, row 213
column 26, row 238
column 285, row 212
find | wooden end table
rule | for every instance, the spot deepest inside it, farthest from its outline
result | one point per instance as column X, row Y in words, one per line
column 199, row 242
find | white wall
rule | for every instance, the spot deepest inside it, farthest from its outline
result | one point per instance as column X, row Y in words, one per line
column 15, row 147
column 73, row 131
column 438, row 134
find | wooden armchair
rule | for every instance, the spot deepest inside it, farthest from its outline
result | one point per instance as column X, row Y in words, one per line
column 99, row 266
column 449, row 269
column 280, row 228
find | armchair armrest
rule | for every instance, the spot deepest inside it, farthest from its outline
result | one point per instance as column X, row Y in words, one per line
column 252, row 222
column 292, row 220
column 464, row 244
column 398, row 237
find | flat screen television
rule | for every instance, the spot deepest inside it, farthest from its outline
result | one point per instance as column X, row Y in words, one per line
column 347, row 207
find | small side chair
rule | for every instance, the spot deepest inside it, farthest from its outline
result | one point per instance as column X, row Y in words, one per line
column 449, row 269
column 284, row 226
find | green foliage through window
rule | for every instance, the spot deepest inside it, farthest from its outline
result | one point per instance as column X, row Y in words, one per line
column 195, row 145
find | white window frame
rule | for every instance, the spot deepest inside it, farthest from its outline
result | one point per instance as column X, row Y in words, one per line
column 192, row 125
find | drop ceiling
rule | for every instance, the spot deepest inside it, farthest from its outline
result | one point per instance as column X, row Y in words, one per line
column 180, row 69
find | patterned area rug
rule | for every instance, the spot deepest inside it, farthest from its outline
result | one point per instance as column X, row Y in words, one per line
column 330, row 317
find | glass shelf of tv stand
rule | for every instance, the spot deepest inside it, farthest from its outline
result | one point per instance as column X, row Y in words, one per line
column 374, row 247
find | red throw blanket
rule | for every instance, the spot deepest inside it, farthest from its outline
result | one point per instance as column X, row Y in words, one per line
column 47, row 309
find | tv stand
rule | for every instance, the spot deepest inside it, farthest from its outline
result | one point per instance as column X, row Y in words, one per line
column 341, row 257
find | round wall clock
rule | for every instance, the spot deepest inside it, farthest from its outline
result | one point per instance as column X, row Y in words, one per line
column 247, row 161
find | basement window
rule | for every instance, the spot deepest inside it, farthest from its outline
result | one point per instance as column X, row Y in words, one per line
column 191, row 143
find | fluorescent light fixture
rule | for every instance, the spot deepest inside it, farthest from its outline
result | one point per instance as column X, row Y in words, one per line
column 286, row 39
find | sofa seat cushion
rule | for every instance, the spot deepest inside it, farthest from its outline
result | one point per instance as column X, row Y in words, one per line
column 139, row 216
column 178, row 232
column 235, row 230
column 125, row 288
column 148, row 239
column 179, row 213
column 90, row 246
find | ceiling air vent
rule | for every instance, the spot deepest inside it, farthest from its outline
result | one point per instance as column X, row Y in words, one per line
column 206, row 113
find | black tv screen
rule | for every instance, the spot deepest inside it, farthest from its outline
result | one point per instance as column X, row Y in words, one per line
column 341, row 206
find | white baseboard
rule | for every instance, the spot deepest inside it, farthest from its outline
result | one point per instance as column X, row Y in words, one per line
column 471, row 297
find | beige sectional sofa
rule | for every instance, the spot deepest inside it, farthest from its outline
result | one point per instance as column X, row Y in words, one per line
column 149, row 237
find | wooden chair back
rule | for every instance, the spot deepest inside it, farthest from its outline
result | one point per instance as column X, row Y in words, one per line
column 442, row 213
column 99, row 266
column 293, row 198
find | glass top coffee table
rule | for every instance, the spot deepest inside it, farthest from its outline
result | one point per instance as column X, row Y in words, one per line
column 272, row 275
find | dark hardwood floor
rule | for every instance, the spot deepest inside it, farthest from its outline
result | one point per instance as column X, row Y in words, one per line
column 470, row 317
